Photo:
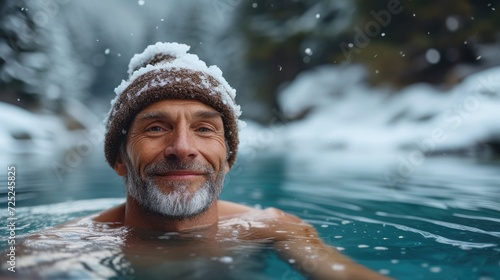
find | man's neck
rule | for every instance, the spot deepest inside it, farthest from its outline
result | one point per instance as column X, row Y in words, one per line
column 138, row 216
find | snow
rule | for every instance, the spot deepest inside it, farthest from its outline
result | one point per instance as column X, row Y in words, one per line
column 24, row 132
column 346, row 114
column 323, row 83
column 173, row 49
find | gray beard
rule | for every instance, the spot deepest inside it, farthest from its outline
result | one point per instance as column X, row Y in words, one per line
column 179, row 203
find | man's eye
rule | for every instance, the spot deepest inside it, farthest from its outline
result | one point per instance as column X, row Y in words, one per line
column 155, row 128
column 204, row 129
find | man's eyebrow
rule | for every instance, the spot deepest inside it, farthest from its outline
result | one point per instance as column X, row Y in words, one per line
column 205, row 114
column 151, row 116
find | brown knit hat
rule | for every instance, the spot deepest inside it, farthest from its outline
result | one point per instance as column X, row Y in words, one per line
column 167, row 71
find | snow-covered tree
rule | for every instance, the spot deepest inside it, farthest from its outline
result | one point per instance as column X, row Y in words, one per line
column 38, row 62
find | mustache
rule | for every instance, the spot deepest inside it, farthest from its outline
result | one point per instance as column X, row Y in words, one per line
column 169, row 165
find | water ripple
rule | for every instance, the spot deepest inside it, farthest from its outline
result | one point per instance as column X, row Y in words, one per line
column 425, row 234
column 440, row 223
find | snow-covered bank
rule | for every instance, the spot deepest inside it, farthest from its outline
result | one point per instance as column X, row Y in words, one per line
column 25, row 132
column 342, row 112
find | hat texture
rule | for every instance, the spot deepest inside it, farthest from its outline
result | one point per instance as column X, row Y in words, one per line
column 168, row 71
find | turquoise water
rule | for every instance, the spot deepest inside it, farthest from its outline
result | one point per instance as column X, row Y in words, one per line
column 441, row 221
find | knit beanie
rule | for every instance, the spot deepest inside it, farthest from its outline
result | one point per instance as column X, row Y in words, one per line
column 168, row 71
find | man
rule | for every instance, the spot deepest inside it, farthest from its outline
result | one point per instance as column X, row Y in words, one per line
column 172, row 134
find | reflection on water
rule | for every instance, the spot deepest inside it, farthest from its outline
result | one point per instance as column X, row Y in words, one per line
column 442, row 222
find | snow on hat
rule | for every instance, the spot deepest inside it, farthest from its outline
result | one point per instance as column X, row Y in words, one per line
column 168, row 71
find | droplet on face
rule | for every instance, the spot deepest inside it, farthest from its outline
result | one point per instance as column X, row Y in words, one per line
column 338, row 267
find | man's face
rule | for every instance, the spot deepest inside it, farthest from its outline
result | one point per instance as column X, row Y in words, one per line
column 175, row 160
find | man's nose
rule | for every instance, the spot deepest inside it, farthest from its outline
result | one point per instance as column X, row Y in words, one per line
column 181, row 145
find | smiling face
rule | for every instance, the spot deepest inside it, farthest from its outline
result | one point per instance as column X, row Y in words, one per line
column 175, row 158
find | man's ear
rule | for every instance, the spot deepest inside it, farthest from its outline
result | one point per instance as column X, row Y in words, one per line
column 120, row 167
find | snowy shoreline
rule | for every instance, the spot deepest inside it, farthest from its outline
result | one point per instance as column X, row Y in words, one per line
column 344, row 113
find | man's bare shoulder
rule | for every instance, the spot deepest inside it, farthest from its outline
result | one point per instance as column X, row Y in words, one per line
column 227, row 209
column 230, row 209
column 113, row 215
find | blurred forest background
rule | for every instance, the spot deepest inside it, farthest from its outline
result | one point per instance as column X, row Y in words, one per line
column 63, row 58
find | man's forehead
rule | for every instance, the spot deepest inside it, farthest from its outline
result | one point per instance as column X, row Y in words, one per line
column 165, row 108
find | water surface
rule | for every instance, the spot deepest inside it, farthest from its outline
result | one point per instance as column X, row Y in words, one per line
column 442, row 221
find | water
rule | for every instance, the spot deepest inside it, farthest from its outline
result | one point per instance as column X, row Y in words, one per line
column 442, row 221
